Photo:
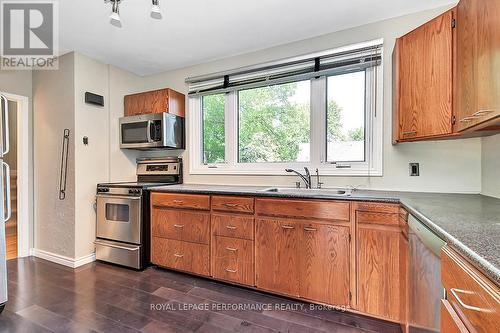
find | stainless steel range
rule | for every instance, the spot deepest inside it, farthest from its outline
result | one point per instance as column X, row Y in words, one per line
column 123, row 213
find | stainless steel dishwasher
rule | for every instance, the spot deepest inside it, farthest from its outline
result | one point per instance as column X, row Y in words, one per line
column 425, row 287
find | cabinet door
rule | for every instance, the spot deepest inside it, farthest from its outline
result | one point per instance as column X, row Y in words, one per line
column 381, row 260
column 324, row 275
column 424, row 75
column 466, row 62
column 277, row 256
column 488, row 59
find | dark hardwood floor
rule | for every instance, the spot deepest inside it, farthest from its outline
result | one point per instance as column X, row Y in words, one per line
column 46, row 297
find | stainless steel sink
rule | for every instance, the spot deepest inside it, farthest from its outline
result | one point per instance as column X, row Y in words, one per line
column 315, row 192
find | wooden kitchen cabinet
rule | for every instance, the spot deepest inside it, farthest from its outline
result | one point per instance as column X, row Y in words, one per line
column 303, row 259
column 423, row 81
column 233, row 260
column 478, row 62
column 447, row 80
column 450, row 321
column 381, row 259
column 277, row 256
column 474, row 298
column 156, row 101
column 324, row 263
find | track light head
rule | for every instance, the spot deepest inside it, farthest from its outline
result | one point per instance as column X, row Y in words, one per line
column 155, row 9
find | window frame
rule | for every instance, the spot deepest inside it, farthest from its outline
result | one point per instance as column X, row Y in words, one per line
column 372, row 166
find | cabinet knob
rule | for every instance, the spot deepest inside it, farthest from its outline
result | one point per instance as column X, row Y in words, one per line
column 178, row 226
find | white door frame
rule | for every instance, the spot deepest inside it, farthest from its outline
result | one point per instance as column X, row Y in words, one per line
column 23, row 213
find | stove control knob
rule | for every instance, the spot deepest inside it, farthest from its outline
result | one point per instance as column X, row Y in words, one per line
column 138, row 191
column 131, row 191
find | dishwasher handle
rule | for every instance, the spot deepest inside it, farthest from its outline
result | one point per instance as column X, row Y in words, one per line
column 432, row 241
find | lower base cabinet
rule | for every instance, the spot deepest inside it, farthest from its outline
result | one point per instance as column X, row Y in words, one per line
column 306, row 260
column 184, row 256
column 381, row 252
column 233, row 260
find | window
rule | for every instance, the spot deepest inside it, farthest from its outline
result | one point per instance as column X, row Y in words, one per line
column 274, row 123
column 346, row 105
column 213, row 129
column 324, row 113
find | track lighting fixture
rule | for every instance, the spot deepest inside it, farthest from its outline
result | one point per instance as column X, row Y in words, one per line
column 115, row 15
column 115, row 11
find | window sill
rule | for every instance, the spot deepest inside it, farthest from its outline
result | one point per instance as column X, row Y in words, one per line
column 281, row 172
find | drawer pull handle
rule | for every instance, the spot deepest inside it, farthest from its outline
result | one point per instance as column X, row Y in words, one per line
column 230, row 205
column 178, row 201
column 178, row 226
column 481, row 113
column 410, row 133
column 287, row 227
column 310, row 229
column 178, row 255
column 467, row 119
column 231, row 270
column 232, row 227
column 232, row 249
column 455, row 293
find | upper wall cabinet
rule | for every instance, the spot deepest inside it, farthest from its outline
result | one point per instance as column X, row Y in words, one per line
column 424, row 81
column 478, row 62
column 447, row 75
column 156, row 101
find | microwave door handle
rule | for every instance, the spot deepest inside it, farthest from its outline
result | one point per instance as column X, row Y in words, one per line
column 5, row 125
column 150, row 124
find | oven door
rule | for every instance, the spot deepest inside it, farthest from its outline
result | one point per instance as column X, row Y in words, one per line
column 119, row 218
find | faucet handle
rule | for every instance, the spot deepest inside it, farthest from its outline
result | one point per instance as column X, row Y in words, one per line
column 297, row 184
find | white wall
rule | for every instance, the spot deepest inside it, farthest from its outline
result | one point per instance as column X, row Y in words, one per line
column 451, row 166
column 54, row 104
column 491, row 166
column 92, row 160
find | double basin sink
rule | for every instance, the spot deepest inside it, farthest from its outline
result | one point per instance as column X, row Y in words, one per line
column 315, row 192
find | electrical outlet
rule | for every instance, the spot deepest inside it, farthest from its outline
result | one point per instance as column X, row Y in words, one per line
column 414, row 169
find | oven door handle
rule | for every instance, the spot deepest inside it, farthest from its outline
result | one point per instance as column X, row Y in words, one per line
column 117, row 197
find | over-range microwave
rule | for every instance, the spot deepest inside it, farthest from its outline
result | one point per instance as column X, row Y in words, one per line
column 152, row 131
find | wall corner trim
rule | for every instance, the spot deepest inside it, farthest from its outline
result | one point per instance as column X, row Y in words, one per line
column 62, row 260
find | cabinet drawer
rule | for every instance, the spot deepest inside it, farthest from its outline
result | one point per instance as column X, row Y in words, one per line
column 475, row 299
column 378, row 207
column 233, row 226
column 450, row 322
column 377, row 218
column 329, row 210
column 177, row 200
column 233, row 204
column 233, row 260
column 189, row 226
column 184, row 256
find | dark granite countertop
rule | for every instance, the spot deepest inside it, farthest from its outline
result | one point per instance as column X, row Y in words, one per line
column 470, row 223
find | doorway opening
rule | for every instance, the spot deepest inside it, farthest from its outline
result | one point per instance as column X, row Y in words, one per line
column 11, row 226
column 16, row 233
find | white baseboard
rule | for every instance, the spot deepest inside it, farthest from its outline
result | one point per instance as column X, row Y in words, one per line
column 63, row 260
